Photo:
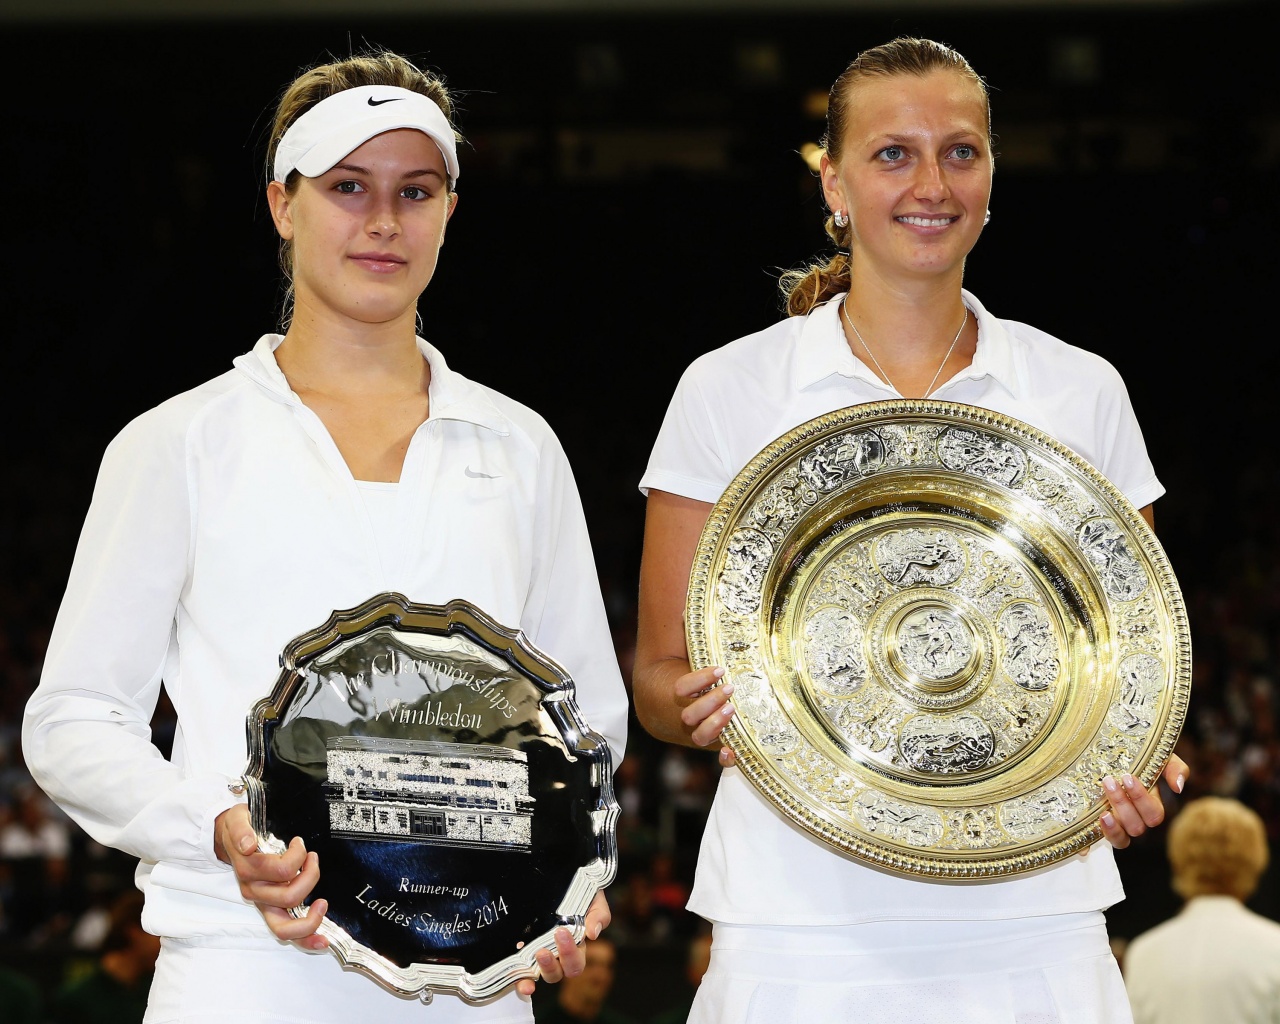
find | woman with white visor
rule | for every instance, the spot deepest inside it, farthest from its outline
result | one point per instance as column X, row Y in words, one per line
column 335, row 462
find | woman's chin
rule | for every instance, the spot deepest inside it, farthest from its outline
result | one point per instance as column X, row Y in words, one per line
column 371, row 314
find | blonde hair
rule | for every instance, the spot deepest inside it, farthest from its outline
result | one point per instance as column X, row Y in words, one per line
column 1217, row 847
column 378, row 67
column 810, row 286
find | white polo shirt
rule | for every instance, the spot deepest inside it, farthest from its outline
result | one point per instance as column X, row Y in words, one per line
column 755, row 866
column 225, row 523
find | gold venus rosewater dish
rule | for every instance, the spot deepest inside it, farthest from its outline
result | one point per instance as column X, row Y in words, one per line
column 944, row 628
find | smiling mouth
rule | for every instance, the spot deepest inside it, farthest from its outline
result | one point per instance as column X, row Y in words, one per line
column 927, row 222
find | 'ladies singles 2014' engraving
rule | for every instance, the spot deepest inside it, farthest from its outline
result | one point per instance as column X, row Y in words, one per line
column 445, row 925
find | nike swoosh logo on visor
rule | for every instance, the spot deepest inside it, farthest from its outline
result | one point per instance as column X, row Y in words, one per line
column 476, row 474
column 378, row 103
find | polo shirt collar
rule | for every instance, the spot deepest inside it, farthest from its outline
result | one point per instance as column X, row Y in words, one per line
column 455, row 397
column 823, row 351
column 452, row 396
column 994, row 357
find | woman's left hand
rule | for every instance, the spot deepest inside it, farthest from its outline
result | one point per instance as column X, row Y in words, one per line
column 569, row 959
column 1134, row 809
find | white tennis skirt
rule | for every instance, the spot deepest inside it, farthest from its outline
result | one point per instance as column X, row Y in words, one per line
column 276, row 983
column 1046, row 970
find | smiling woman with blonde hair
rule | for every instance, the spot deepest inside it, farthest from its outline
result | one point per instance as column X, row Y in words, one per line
column 334, row 462
column 800, row 932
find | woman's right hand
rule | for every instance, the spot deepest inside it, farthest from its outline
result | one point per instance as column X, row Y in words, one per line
column 674, row 704
column 709, row 709
column 275, row 882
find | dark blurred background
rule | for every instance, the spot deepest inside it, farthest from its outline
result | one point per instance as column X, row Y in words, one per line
column 633, row 183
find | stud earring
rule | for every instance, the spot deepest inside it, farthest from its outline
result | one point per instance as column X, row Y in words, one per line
column 987, row 219
column 841, row 219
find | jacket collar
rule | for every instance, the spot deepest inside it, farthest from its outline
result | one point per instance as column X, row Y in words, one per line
column 452, row 396
column 823, row 351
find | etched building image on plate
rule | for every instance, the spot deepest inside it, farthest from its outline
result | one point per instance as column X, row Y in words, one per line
column 433, row 792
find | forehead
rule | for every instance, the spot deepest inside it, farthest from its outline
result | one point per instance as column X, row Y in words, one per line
column 402, row 148
column 942, row 102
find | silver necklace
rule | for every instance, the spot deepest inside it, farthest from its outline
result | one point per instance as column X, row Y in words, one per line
column 844, row 309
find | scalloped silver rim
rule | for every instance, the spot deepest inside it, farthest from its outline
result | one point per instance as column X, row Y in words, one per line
column 423, row 980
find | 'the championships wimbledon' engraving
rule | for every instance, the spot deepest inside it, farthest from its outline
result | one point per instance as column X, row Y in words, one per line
column 431, row 714
column 435, row 676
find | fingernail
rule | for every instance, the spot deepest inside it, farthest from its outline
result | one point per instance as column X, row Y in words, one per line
column 595, row 932
column 718, row 673
column 246, row 844
column 1109, row 784
column 1178, row 783
column 1129, row 782
column 727, row 710
column 728, row 689
column 1109, row 820
column 724, row 755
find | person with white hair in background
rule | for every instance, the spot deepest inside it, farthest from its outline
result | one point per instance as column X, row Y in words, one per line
column 1217, row 961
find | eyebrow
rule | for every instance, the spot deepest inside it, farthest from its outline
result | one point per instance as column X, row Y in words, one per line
column 900, row 137
column 353, row 169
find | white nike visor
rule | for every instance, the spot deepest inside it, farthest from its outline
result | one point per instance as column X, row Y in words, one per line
column 347, row 120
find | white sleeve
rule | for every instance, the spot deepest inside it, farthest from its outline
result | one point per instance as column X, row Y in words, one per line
column 86, row 735
column 687, row 457
column 1125, row 461
column 564, row 613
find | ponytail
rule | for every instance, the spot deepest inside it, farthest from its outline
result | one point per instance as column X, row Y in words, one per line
column 806, row 288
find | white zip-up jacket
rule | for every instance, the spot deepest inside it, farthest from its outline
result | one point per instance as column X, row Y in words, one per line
column 224, row 523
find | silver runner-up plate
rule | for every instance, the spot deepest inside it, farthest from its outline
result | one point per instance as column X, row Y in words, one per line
column 461, row 808
column 944, row 629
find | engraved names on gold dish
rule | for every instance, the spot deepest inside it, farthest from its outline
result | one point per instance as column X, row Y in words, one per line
column 944, row 629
